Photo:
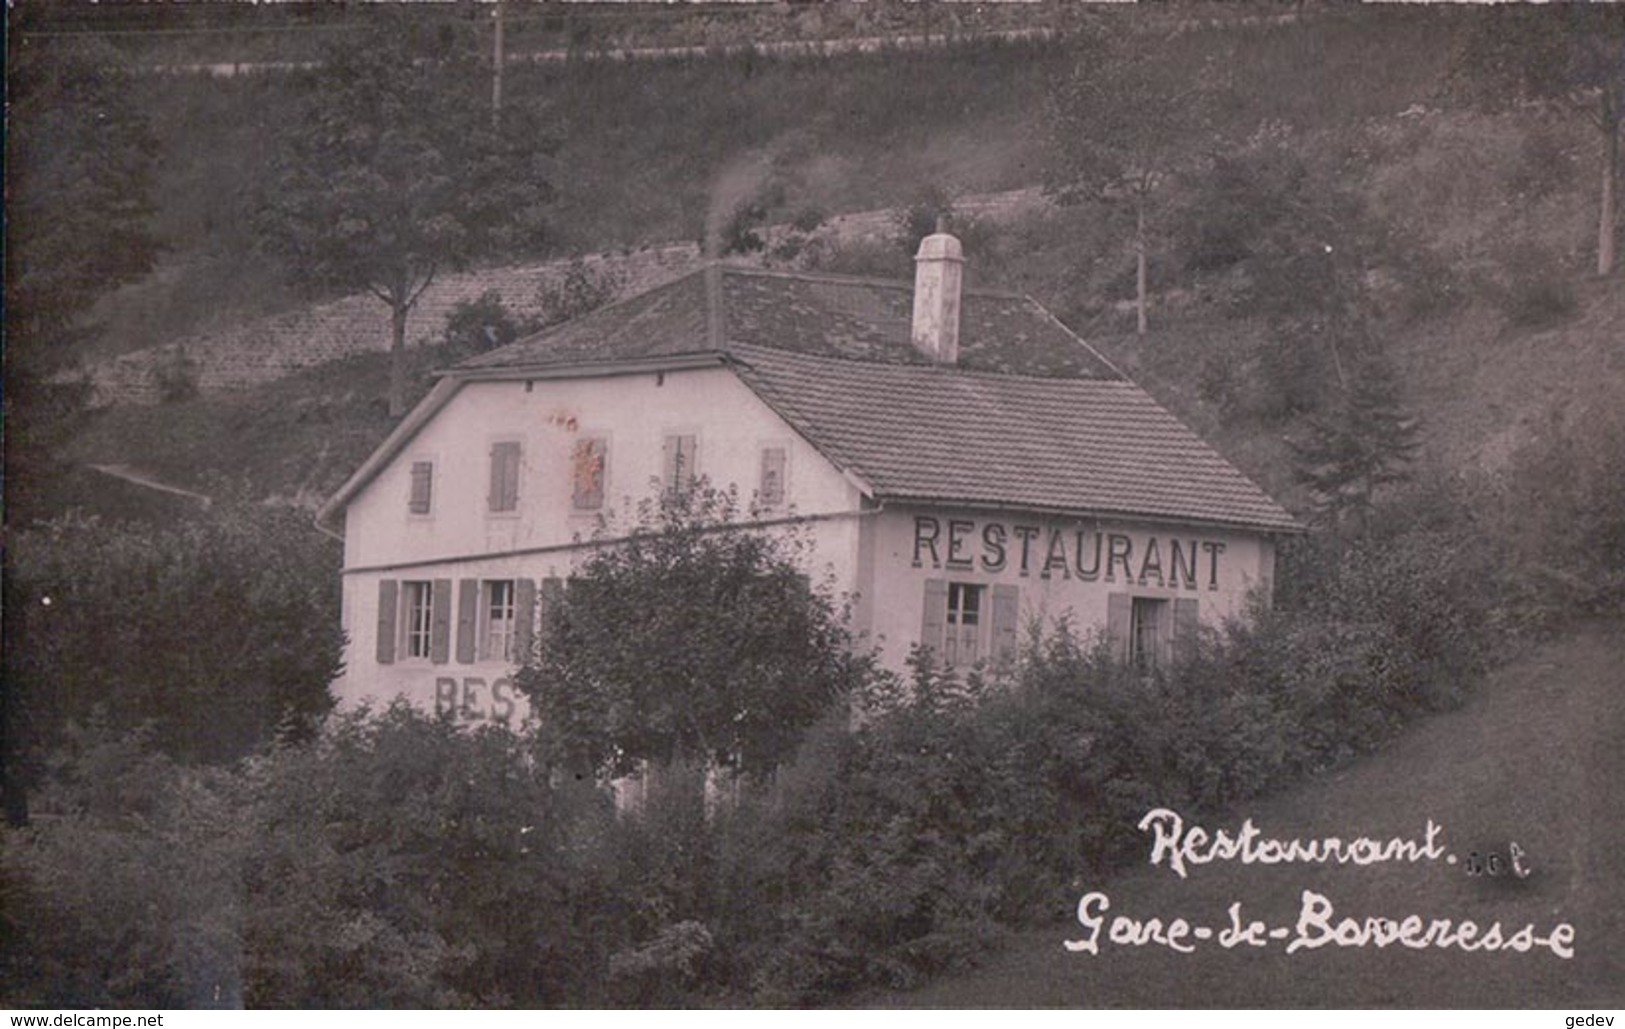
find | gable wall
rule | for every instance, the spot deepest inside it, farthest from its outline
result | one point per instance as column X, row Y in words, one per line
column 461, row 539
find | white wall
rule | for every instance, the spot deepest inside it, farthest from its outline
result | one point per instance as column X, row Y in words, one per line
column 461, row 539
column 1227, row 566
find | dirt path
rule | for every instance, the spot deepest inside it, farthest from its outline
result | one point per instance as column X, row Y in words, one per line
column 1535, row 758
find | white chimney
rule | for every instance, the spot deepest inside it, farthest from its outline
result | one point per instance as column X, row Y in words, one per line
column 938, row 268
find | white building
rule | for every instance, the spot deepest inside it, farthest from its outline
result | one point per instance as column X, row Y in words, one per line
column 961, row 460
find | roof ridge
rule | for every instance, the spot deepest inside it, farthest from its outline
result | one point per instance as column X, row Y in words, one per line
column 746, row 349
column 614, row 305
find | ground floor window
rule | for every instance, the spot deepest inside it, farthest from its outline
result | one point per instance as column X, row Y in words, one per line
column 961, row 643
column 499, row 620
column 1149, row 636
column 968, row 622
column 1146, row 631
column 417, row 627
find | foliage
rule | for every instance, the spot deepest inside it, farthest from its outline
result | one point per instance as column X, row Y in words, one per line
column 692, row 637
column 126, row 897
column 394, row 171
column 1361, row 446
column 1120, row 128
column 583, row 289
column 79, row 169
column 400, row 860
column 485, row 323
column 407, row 862
column 219, row 630
column 1573, row 57
column 175, row 375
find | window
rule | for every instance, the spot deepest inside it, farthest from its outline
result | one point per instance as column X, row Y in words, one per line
column 417, row 626
column 587, row 474
column 677, row 469
column 504, row 492
column 961, row 644
column 421, row 496
column 771, row 491
column 1149, row 632
column 499, row 624
column 964, row 622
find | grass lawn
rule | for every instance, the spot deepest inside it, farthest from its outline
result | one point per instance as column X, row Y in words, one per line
column 1535, row 757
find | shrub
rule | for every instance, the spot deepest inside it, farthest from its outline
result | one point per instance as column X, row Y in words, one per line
column 175, row 375
column 485, row 323
column 693, row 638
column 126, row 896
column 220, row 630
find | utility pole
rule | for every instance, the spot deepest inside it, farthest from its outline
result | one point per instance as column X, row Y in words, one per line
column 496, row 71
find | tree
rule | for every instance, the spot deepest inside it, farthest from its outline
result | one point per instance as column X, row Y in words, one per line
column 1295, row 250
column 1121, row 124
column 1362, row 445
column 694, row 639
column 219, row 632
column 79, row 168
column 394, row 171
column 1574, row 57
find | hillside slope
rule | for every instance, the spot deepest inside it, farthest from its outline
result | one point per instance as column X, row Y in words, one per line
column 1533, row 759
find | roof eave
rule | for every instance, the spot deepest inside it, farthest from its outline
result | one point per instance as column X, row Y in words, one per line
column 1292, row 528
column 327, row 517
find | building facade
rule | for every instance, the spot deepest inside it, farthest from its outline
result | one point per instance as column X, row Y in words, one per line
column 960, row 463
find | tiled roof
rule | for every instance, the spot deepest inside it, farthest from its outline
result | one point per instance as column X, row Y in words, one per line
column 828, row 315
column 1031, row 417
column 940, row 434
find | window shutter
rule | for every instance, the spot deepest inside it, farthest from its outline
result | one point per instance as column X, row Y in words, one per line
column 422, row 488
column 934, row 619
column 504, row 493
column 1006, row 616
column 440, row 622
column 468, row 619
column 1119, row 613
column 1186, row 622
column 524, row 619
column 388, row 592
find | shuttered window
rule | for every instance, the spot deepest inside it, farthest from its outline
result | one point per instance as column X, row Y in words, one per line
column 964, row 623
column 588, row 463
column 504, row 492
column 677, row 465
column 1148, row 631
column 499, row 620
column 417, row 613
column 962, row 631
column 421, row 498
column 771, row 492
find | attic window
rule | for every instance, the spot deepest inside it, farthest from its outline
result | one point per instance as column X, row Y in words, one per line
column 587, row 473
column 504, row 492
column 421, row 497
column 771, row 492
column 677, row 466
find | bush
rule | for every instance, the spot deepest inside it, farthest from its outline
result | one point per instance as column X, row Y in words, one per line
column 475, row 326
column 175, row 375
column 220, row 630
